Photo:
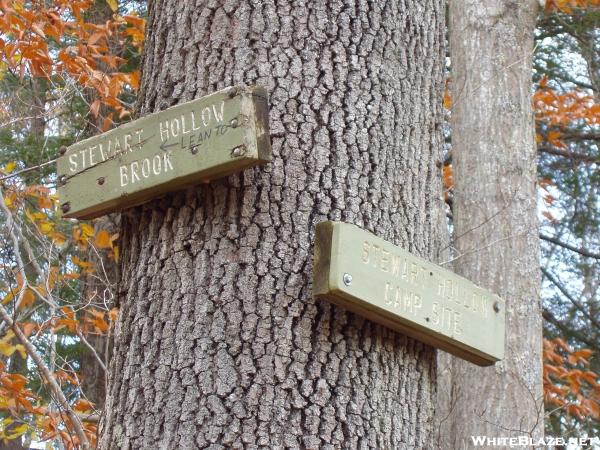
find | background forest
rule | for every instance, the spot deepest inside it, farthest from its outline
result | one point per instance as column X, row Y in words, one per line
column 70, row 69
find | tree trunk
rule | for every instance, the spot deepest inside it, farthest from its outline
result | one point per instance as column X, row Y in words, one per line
column 494, row 212
column 219, row 342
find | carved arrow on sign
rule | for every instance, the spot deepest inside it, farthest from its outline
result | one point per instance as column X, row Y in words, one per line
column 164, row 146
column 187, row 144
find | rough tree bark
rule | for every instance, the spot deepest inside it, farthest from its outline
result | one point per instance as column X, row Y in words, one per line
column 494, row 212
column 219, row 342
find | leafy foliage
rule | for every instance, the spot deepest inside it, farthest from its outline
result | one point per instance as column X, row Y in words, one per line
column 570, row 386
column 67, row 69
column 45, row 41
column 567, row 82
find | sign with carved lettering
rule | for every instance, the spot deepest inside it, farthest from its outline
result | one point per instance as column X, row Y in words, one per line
column 187, row 144
column 386, row 284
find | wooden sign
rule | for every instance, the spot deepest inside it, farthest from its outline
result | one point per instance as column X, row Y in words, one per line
column 186, row 144
column 384, row 283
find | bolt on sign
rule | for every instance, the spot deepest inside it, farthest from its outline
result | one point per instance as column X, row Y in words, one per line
column 187, row 144
column 386, row 284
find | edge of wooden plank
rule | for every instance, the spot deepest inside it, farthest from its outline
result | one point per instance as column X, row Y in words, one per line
column 327, row 285
column 322, row 257
column 260, row 102
column 254, row 99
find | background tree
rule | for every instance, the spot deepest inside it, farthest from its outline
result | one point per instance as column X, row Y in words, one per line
column 494, row 216
column 566, row 111
column 219, row 341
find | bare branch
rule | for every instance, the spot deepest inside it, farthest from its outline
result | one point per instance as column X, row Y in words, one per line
column 547, row 315
column 581, row 251
column 92, row 349
column 572, row 299
column 17, row 238
column 567, row 154
column 28, row 169
column 52, row 383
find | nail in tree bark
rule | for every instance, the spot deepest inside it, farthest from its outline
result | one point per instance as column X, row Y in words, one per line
column 219, row 342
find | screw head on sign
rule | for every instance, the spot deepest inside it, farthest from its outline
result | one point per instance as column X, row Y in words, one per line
column 347, row 278
column 66, row 207
column 62, row 150
column 232, row 92
column 238, row 151
column 194, row 149
column 497, row 306
column 234, row 122
column 101, row 181
column 62, row 180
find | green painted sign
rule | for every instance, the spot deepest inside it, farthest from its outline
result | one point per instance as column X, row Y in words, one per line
column 187, row 144
column 386, row 284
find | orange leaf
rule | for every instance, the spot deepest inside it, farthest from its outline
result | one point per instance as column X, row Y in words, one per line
column 95, row 108
column 28, row 328
column 103, row 239
column 583, row 353
column 95, row 38
column 447, row 99
column 107, row 122
column 113, row 314
column 38, row 30
column 45, row 202
column 82, row 405
column 28, row 299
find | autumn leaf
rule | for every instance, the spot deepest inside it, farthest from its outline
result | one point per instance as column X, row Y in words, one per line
column 83, row 405
column 106, row 124
column 46, row 227
column 8, row 297
column 45, row 202
column 85, row 265
column 113, row 314
column 38, row 30
column 7, row 348
column 9, row 167
column 28, row 328
column 103, row 239
column 86, row 229
column 95, row 108
column 97, row 320
column 448, row 176
column 583, row 353
column 447, row 99
column 134, row 79
column 113, row 5
column 28, row 299
column 58, row 239
column 17, row 431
